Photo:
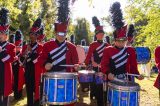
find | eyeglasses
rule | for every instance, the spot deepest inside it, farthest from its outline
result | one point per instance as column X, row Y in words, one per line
column 121, row 40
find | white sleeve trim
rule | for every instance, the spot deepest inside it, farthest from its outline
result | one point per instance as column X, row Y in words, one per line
column 6, row 58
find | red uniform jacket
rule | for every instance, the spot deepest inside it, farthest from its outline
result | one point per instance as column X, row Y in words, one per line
column 92, row 52
column 71, row 54
column 7, row 58
column 157, row 60
column 38, row 72
column 131, row 63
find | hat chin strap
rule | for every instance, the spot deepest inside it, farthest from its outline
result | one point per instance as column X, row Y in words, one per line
column 61, row 33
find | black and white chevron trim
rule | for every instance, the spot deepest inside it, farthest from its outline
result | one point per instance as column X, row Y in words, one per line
column 59, row 54
column 100, row 49
column 121, row 58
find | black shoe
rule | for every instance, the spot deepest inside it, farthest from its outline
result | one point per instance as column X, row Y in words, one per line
column 37, row 103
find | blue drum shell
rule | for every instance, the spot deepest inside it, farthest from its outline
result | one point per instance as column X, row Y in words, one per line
column 99, row 79
column 60, row 88
column 123, row 94
column 143, row 55
column 86, row 78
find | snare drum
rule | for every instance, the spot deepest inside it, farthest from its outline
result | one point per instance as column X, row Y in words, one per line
column 59, row 88
column 99, row 78
column 143, row 55
column 123, row 93
column 86, row 76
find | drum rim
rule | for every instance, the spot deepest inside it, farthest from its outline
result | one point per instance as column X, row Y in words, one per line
column 123, row 88
column 60, row 103
column 82, row 72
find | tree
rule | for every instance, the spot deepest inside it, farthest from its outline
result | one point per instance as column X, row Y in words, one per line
column 145, row 14
column 82, row 31
column 24, row 12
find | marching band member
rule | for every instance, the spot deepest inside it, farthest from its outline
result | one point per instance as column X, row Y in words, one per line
column 107, row 39
column 60, row 51
column 7, row 54
column 38, row 69
column 94, row 57
column 157, row 60
column 17, row 66
column 33, row 50
column 119, row 59
column 72, row 39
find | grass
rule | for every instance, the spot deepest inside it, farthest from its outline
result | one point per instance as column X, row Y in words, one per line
column 149, row 95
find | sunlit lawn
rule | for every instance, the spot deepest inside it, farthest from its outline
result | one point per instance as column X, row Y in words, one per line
column 149, row 95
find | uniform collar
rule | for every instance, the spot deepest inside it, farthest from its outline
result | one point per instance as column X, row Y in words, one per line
column 100, row 41
column 118, row 48
column 1, row 43
column 59, row 43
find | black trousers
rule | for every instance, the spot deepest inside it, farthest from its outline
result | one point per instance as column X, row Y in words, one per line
column 17, row 94
column 4, row 101
column 99, row 94
column 30, row 92
column 96, row 90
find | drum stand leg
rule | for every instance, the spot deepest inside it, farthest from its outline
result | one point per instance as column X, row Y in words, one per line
column 105, row 93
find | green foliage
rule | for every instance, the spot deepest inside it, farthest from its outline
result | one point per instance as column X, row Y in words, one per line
column 24, row 12
column 145, row 14
column 82, row 31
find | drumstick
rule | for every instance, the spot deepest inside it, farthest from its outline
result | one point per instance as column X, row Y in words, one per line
column 67, row 65
column 136, row 75
column 118, row 80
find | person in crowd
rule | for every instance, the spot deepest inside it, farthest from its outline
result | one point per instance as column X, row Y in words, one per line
column 7, row 54
column 119, row 59
column 17, row 66
column 33, row 50
column 59, row 51
column 94, row 57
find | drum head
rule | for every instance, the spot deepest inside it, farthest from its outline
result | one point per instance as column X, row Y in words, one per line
column 60, row 75
column 81, row 53
column 126, row 85
column 86, row 72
